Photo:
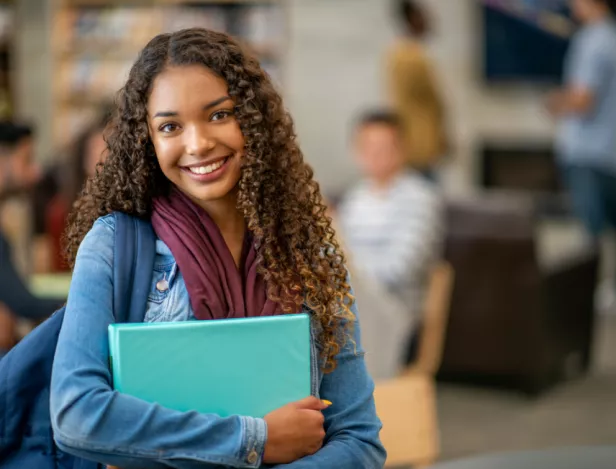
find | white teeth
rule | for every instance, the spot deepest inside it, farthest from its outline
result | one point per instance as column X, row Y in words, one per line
column 207, row 169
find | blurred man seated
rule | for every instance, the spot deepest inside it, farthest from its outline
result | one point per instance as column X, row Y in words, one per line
column 391, row 224
column 18, row 172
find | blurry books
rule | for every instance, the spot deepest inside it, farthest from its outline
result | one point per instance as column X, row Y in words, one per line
column 6, row 34
column 262, row 26
column 96, row 46
column 214, row 18
column 6, row 23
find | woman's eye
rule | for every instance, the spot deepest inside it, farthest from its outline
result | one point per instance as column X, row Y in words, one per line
column 168, row 128
column 220, row 115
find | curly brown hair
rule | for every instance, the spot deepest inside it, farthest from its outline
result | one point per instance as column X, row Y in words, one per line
column 297, row 251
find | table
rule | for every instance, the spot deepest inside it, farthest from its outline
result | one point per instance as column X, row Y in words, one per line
column 50, row 285
column 587, row 457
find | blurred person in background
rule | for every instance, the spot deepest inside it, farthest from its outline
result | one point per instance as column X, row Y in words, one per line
column 89, row 150
column 18, row 173
column 586, row 110
column 391, row 224
column 414, row 91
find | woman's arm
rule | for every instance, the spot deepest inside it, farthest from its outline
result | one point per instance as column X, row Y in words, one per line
column 93, row 421
column 351, row 424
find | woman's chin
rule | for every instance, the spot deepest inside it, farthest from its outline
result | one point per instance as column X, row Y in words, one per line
column 216, row 192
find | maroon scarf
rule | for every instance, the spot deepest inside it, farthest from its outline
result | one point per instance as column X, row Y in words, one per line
column 216, row 287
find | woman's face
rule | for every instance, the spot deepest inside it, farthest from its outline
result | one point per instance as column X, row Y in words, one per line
column 198, row 141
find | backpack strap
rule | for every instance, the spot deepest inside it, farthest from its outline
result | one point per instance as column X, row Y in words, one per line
column 133, row 263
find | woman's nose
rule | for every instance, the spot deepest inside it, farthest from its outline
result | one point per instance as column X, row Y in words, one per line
column 198, row 142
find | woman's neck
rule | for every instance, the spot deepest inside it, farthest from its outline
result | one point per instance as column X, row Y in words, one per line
column 230, row 221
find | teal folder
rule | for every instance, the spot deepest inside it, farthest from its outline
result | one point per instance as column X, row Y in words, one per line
column 247, row 366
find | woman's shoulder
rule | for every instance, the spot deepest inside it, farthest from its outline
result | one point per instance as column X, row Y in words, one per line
column 107, row 221
column 98, row 243
column 102, row 232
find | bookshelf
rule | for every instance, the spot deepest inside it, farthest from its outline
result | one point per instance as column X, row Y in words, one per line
column 7, row 22
column 96, row 41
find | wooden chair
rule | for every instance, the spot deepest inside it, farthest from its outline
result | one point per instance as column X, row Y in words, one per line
column 407, row 404
column 436, row 314
column 407, row 408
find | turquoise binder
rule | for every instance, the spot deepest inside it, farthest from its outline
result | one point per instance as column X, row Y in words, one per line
column 247, row 366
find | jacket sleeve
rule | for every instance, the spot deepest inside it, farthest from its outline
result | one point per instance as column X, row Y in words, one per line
column 351, row 424
column 92, row 421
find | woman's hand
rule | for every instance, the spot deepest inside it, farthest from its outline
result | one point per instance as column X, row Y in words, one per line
column 294, row 431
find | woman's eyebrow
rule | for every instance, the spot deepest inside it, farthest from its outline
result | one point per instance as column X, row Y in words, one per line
column 165, row 114
column 216, row 102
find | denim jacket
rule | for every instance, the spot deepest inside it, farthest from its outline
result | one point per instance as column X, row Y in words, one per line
column 93, row 421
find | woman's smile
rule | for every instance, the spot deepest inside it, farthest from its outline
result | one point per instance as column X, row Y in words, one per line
column 208, row 171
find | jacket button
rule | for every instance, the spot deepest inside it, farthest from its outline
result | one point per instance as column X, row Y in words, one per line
column 162, row 285
column 253, row 457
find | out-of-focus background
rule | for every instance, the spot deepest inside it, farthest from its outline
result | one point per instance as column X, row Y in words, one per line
column 509, row 344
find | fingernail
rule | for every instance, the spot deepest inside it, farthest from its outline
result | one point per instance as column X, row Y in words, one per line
column 326, row 402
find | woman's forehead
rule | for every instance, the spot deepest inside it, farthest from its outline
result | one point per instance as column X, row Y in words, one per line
column 184, row 86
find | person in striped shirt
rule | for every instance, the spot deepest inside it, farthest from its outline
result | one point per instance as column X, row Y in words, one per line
column 391, row 221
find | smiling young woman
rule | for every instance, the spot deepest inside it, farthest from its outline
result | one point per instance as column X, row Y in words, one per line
column 202, row 147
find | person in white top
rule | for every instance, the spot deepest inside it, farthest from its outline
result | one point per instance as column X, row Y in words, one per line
column 392, row 228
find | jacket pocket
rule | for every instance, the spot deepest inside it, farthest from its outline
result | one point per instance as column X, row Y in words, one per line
column 162, row 281
column 160, row 288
